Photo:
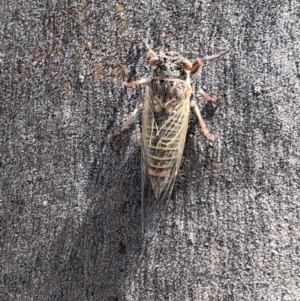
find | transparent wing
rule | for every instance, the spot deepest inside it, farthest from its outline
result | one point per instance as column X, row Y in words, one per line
column 163, row 140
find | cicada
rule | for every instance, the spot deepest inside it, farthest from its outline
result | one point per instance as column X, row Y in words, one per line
column 166, row 109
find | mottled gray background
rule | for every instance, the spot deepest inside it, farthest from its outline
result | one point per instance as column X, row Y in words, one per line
column 70, row 194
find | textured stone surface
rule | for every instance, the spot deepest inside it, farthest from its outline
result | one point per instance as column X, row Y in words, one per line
column 70, row 194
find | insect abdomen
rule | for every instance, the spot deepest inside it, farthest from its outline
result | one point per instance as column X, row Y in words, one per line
column 164, row 144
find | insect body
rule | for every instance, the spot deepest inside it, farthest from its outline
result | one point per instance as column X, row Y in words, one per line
column 165, row 121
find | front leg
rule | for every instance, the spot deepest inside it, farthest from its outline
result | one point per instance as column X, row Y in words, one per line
column 135, row 83
column 217, row 55
column 140, row 106
column 196, row 67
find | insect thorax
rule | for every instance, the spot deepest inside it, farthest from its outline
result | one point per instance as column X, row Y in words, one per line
column 166, row 95
column 170, row 82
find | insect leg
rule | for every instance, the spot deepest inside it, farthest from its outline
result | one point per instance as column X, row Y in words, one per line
column 217, row 55
column 151, row 53
column 204, row 128
column 135, row 83
column 197, row 66
column 208, row 97
column 129, row 120
column 199, row 63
